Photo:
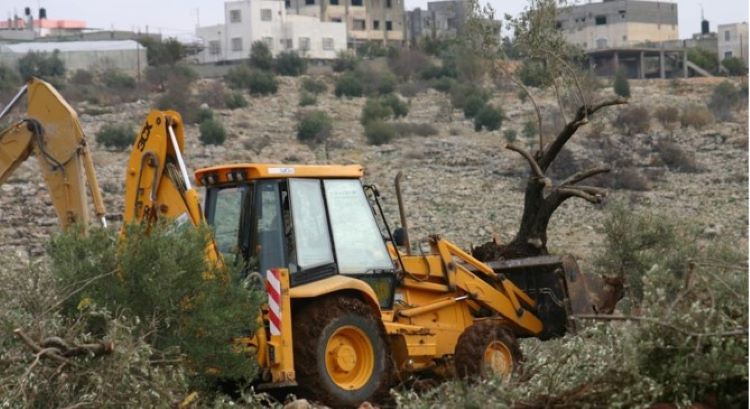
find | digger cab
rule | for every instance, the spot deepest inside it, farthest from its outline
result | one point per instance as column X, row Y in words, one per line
column 314, row 221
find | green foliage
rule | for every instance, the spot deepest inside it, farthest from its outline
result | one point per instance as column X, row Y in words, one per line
column 178, row 98
column 10, row 82
column 534, row 74
column 349, row 85
column 161, row 76
column 462, row 92
column 289, row 63
column 510, row 135
column 117, row 80
column 443, row 84
column 307, row 99
column 734, row 66
column 235, row 100
column 345, row 61
column 408, row 62
column 379, row 81
column 168, row 52
column 314, row 86
column 706, row 59
column 314, row 127
column 474, row 103
column 668, row 116
column 82, row 77
column 724, row 99
column 239, row 77
column 212, row 131
column 116, row 136
column 621, row 86
column 379, row 132
column 633, row 119
column 158, row 274
column 375, row 110
column 262, row 83
column 260, row 56
column 677, row 158
column 404, row 129
column 399, row 107
column 530, row 128
column 205, row 114
column 489, row 117
column 42, row 65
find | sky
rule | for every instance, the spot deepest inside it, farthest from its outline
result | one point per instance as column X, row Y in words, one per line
column 179, row 18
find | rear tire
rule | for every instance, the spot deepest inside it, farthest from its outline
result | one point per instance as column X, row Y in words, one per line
column 340, row 354
column 487, row 349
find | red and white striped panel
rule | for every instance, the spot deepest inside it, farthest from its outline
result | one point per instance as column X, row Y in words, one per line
column 273, row 287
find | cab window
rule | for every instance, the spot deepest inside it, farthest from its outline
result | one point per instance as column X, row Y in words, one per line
column 312, row 243
column 224, row 214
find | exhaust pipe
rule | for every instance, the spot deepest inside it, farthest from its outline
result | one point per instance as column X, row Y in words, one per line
column 402, row 213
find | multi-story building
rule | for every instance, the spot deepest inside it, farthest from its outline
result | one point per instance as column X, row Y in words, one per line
column 618, row 23
column 380, row 21
column 248, row 21
column 732, row 41
column 28, row 28
column 441, row 19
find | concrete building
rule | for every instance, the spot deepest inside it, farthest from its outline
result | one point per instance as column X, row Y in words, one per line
column 248, row 21
column 618, row 23
column 380, row 21
column 28, row 28
column 732, row 41
column 128, row 56
column 441, row 19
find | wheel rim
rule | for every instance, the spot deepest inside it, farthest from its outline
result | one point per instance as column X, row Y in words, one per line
column 498, row 360
column 350, row 358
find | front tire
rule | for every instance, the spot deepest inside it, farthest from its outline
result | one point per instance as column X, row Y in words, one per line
column 487, row 349
column 340, row 353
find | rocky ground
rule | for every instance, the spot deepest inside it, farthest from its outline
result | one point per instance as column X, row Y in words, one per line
column 459, row 183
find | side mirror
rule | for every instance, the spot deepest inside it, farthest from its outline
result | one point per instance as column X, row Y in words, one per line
column 398, row 237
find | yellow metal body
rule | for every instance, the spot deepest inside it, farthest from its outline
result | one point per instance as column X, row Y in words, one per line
column 51, row 132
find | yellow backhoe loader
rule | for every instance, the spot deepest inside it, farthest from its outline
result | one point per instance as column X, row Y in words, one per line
column 350, row 308
column 51, row 131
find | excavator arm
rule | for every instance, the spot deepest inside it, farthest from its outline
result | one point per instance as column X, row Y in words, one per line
column 52, row 133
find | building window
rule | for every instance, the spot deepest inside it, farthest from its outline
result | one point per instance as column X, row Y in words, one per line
column 356, row 2
column 214, row 47
column 304, row 43
column 388, row 3
column 336, row 19
column 288, row 43
column 727, row 54
column 727, row 35
column 265, row 15
column 622, row 14
column 559, row 24
column 327, row 43
column 309, row 2
column 376, row 24
column 237, row 44
column 358, row 25
column 388, row 26
column 624, row 38
column 334, row 2
column 235, row 16
column 269, row 42
column 601, row 20
column 288, row 4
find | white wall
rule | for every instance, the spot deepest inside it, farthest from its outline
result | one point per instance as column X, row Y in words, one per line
column 737, row 43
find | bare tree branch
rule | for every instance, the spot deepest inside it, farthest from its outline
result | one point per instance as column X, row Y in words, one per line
column 584, row 174
column 532, row 162
column 597, row 191
column 684, row 331
column 525, row 89
column 567, row 192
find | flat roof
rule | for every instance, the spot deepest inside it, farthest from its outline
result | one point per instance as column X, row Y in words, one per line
column 63, row 46
column 277, row 171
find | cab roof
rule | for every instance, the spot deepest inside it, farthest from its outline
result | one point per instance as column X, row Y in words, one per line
column 250, row 171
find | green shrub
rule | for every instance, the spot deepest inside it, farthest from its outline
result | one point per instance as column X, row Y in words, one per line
column 376, row 80
column 178, row 98
column 262, row 83
column 489, row 117
column 239, row 77
column 213, row 94
column 165, row 53
column 734, row 66
column 696, row 116
column 43, row 65
column 379, row 132
column 633, row 119
column 349, row 85
column 533, row 73
column 345, row 61
column 260, row 56
column 510, row 135
column 289, row 63
column 160, row 76
column 306, row 99
column 621, row 86
column 443, row 84
column 530, row 128
column 668, row 116
column 461, row 92
column 10, row 82
column 403, row 129
column 235, row 100
column 724, row 99
column 205, row 114
column 116, row 136
column 408, row 62
column 82, row 77
column 399, row 107
column 212, row 132
column 375, row 110
column 117, row 80
column 677, row 158
column 314, row 86
column 706, row 59
column 314, row 127
column 474, row 103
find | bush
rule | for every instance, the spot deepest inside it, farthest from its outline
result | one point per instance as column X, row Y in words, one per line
column 213, row 94
column 375, row 110
column 349, row 85
column 212, row 132
column 534, row 74
column 489, row 117
column 724, row 99
column 408, row 62
column 696, row 116
column 531, row 128
column 163, row 53
column 706, row 59
column 205, row 114
column 633, row 119
column 734, row 66
column 668, row 116
column 404, row 129
column 116, row 136
column 376, row 81
column 43, row 65
column 629, row 178
column 239, row 77
column 621, row 86
column 399, row 107
column 443, row 84
column 676, row 158
column 82, row 77
column 178, row 98
column 117, row 80
column 290, row 64
column 306, row 99
column 262, row 83
column 235, row 100
column 314, row 127
column 379, row 132
column 160, row 76
column 314, row 86
column 10, row 82
column 510, row 135
column 345, row 61
column 460, row 93
column 260, row 56
column 474, row 103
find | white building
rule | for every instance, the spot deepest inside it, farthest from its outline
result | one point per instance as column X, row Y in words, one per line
column 732, row 41
column 248, row 21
